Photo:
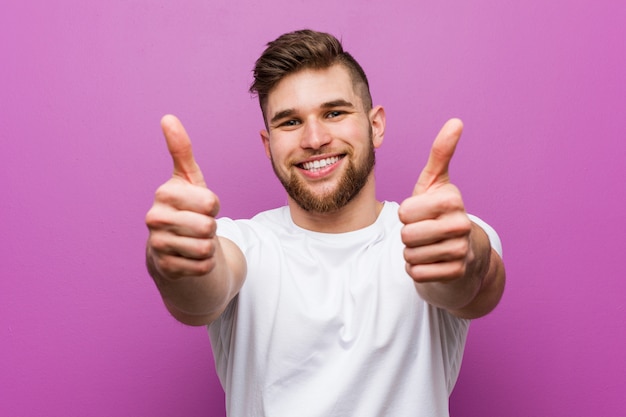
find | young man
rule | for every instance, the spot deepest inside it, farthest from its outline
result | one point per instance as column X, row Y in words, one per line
column 337, row 304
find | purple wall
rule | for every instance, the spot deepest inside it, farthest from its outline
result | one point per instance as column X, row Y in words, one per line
column 540, row 85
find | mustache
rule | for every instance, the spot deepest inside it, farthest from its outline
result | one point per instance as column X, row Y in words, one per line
column 324, row 150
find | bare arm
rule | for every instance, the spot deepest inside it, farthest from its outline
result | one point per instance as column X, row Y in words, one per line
column 199, row 299
column 448, row 256
column 196, row 272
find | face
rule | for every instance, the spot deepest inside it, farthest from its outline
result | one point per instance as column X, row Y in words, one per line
column 320, row 139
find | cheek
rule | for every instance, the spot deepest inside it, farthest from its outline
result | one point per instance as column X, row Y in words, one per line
column 282, row 145
column 358, row 137
column 358, row 129
column 275, row 152
column 278, row 154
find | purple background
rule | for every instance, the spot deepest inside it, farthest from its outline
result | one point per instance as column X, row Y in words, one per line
column 540, row 85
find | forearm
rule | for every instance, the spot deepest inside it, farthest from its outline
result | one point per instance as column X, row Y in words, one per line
column 200, row 299
column 479, row 289
column 490, row 292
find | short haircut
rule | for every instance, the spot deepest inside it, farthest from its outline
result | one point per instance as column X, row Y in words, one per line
column 304, row 49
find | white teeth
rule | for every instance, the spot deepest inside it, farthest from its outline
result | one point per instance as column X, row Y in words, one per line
column 319, row 164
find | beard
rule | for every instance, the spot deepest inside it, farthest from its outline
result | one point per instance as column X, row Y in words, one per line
column 350, row 184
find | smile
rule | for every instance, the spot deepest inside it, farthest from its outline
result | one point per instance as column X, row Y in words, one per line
column 313, row 166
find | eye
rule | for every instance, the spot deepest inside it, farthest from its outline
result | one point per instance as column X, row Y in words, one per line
column 333, row 114
column 289, row 123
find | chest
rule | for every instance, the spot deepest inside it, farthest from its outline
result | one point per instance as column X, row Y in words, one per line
column 313, row 294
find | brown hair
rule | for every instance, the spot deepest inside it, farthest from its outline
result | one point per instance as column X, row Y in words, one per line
column 304, row 49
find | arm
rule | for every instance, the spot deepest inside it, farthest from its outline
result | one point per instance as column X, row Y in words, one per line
column 199, row 299
column 196, row 272
column 448, row 256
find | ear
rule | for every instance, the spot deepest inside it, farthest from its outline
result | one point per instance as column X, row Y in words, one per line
column 265, row 138
column 377, row 121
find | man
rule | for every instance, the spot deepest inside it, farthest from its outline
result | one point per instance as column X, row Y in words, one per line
column 337, row 304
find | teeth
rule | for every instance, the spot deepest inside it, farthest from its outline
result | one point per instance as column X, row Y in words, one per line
column 319, row 164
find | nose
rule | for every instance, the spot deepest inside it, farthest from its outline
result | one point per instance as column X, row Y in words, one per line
column 314, row 135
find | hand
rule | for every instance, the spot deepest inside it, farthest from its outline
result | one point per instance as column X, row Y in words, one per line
column 181, row 221
column 436, row 231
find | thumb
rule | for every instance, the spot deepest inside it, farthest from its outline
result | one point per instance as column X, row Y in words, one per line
column 179, row 146
column 436, row 170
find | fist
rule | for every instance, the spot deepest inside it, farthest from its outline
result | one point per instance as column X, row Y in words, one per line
column 436, row 231
column 181, row 221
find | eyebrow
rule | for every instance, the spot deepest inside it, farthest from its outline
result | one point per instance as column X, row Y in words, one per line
column 337, row 103
column 328, row 105
column 281, row 115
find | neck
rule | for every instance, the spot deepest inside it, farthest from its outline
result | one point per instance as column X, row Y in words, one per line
column 361, row 212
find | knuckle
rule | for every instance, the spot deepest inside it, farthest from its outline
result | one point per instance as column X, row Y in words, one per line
column 404, row 234
column 460, row 225
column 458, row 269
column 450, row 270
column 414, row 272
column 407, row 235
column 203, row 267
column 465, row 223
column 452, row 203
column 165, row 264
column 153, row 218
column 157, row 242
column 460, row 249
column 203, row 229
column 216, row 203
column 409, row 269
column 408, row 255
column 205, row 248
column 207, row 228
column 402, row 212
column 163, row 193
column 210, row 202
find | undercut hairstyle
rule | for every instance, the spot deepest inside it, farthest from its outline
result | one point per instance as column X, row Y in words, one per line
column 304, row 49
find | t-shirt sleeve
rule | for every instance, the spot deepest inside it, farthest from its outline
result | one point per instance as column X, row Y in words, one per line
column 229, row 229
column 494, row 239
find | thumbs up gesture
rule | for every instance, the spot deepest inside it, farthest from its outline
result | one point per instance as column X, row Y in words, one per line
column 436, row 231
column 181, row 221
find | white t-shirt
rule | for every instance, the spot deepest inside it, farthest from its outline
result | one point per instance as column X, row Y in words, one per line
column 331, row 325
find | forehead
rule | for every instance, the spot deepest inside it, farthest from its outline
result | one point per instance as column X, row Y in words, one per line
column 310, row 88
